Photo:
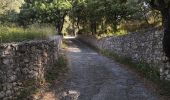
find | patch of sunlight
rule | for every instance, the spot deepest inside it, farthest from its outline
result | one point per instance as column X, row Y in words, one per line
column 72, row 93
column 121, row 32
column 90, row 53
column 74, row 50
column 48, row 96
column 69, row 37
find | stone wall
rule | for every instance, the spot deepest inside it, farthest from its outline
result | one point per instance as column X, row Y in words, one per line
column 144, row 46
column 23, row 65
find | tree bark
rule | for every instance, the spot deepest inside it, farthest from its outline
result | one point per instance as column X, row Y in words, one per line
column 166, row 39
column 93, row 27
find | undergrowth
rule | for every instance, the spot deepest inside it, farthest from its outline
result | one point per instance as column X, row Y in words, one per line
column 59, row 67
column 17, row 34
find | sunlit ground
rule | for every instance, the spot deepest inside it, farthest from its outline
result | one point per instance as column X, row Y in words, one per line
column 49, row 96
column 75, row 50
column 69, row 37
column 72, row 94
column 67, row 94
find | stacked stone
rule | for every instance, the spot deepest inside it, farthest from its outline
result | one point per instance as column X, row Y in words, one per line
column 24, row 64
column 145, row 46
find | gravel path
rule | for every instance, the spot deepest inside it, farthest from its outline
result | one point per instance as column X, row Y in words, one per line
column 95, row 77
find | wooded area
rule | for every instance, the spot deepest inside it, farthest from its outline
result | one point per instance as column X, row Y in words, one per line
column 96, row 17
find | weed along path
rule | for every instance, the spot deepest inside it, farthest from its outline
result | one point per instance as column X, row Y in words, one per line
column 95, row 77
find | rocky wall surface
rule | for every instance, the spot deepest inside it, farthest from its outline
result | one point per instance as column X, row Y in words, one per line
column 145, row 46
column 23, row 65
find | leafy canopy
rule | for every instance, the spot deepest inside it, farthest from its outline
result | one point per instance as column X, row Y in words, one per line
column 44, row 11
column 101, row 13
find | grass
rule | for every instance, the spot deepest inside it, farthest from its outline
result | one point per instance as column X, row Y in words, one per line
column 59, row 67
column 144, row 69
column 120, row 32
column 17, row 34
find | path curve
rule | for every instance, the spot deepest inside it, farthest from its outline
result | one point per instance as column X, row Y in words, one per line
column 95, row 77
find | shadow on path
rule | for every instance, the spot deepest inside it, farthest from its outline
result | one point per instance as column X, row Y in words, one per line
column 95, row 77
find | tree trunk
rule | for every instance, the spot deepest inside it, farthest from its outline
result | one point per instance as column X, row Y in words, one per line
column 93, row 27
column 58, row 29
column 73, row 27
column 166, row 38
column 59, row 25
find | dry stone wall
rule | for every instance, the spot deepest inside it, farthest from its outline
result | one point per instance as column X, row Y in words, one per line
column 144, row 46
column 23, row 65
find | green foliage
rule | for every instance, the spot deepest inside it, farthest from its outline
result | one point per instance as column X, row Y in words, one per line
column 10, row 5
column 98, row 15
column 9, row 10
column 45, row 11
column 88, row 16
column 106, row 16
column 35, row 31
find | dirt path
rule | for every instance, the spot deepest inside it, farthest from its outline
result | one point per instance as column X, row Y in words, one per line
column 95, row 77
